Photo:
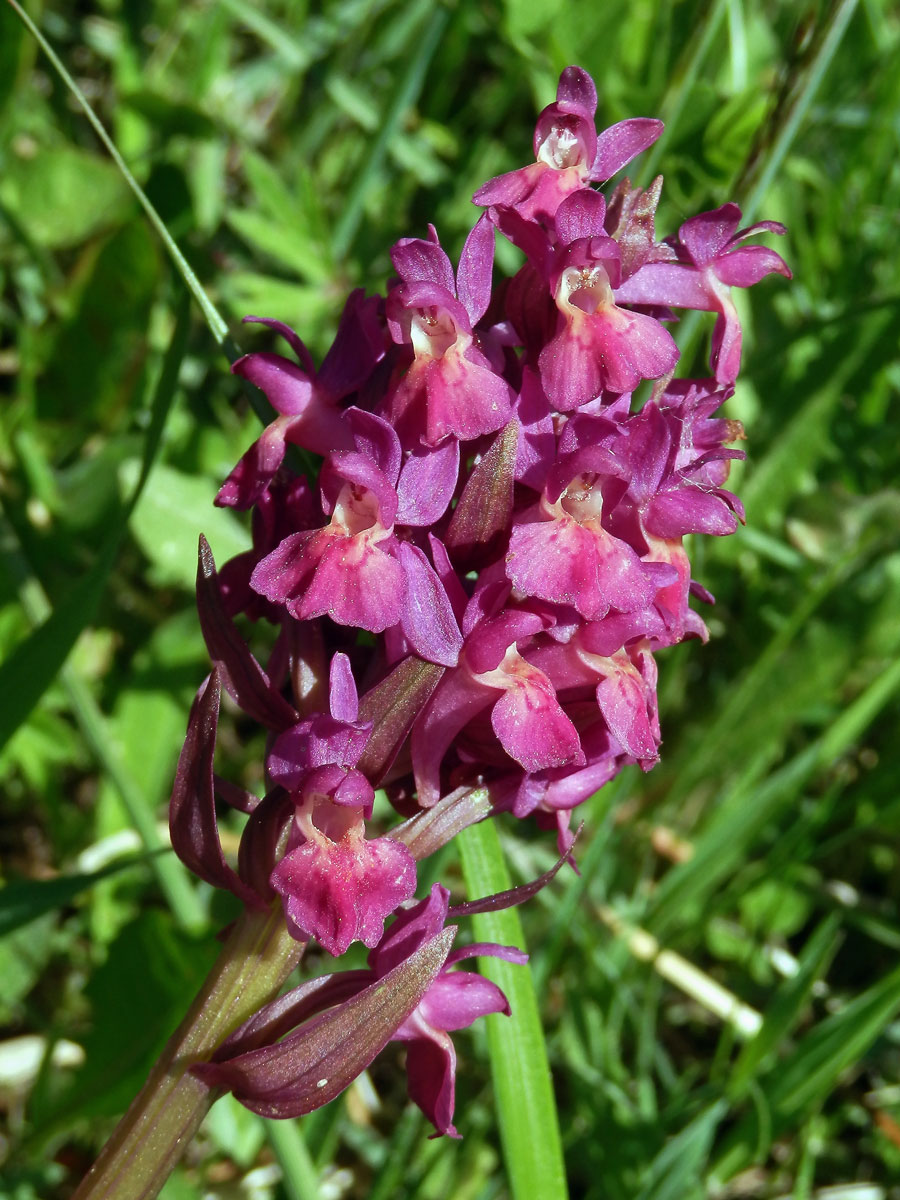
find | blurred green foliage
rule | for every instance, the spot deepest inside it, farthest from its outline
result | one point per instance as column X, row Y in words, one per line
column 286, row 146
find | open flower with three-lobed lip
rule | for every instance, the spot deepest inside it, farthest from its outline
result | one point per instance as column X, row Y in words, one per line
column 336, row 884
column 707, row 260
column 449, row 389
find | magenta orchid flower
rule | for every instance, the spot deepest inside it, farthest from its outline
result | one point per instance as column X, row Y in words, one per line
column 469, row 598
column 599, row 345
column 306, row 400
column 336, row 885
column 560, row 551
column 708, row 261
column 355, row 570
column 449, row 388
column 454, row 1000
column 569, row 152
column 527, row 720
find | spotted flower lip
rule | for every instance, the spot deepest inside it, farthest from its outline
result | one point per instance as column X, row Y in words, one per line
column 561, row 552
column 336, row 884
column 347, row 569
column 355, row 570
column 525, row 714
column 599, row 345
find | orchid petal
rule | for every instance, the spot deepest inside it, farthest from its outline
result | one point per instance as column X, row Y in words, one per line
column 241, row 674
column 192, row 809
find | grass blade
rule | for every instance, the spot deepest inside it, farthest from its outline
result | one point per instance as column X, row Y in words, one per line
column 785, row 1009
column 749, row 806
column 28, row 899
column 682, row 83
column 761, row 173
column 810, row 1075
column 37, row 661
column 34, row 664
column 529, row 1126
column 300, row 1179
column 213, row 317
column 676, row 1172
column 408, row 89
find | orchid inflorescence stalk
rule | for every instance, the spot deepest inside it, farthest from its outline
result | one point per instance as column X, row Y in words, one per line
column 470, row 597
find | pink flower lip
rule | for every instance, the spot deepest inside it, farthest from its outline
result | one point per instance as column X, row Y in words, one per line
column 335, row 885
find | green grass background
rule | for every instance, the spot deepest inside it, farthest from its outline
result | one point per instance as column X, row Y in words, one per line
column 286, row 147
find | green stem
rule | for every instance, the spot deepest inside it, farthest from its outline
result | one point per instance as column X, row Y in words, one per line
column 299, row 1177
column 154, row 1133
column 529, row 1126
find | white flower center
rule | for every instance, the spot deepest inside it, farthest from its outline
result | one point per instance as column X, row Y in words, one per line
column 584, row 288
column 356, row 512
column 562, row 148
column 432, row 332
column 582, row 499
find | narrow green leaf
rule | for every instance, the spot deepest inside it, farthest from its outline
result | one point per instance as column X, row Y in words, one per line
column 763, row 170
column 803, row 440
column 293, row 50
column 393, row 1175
column 750, row 805
column 787, row 1006
column 714, row 748
column 34, row 664
column 299, row 1176
column 529, row 1126
column 405, row 95
column 11, row 38
column 682, row 82
column 23, row 902
column 676, row 1172
column 808, row 1077
column 833, row 1046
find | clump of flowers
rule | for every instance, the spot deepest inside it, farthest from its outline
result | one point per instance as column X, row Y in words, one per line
column 471, row 595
